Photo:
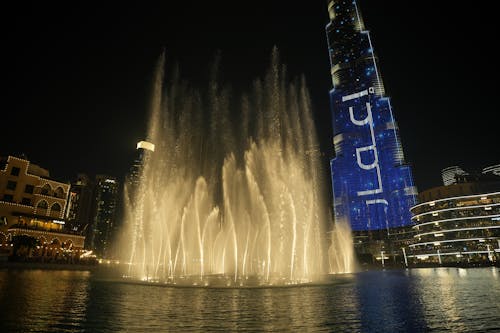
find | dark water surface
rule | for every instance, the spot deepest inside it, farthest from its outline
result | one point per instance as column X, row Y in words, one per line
column 418, row 300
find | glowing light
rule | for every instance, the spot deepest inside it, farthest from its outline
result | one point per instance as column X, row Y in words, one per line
column 365, row 167
column 265, row 221
column 452, row 209
column 457, row 229
column 455, row 198
column 146, row 145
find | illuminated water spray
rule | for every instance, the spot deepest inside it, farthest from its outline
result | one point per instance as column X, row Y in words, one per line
column 233, row 190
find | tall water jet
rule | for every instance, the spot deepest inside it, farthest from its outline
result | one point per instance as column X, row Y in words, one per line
column 233, row 190
column 341, row 251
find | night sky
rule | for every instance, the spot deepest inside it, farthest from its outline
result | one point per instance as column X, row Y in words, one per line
column 79, row 76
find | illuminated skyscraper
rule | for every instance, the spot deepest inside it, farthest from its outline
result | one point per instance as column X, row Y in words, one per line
column 105, row 202
column 144, row 149
column 372, row 185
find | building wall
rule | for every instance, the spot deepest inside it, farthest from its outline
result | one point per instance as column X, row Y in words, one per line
column 24, row 193
column 30, row 202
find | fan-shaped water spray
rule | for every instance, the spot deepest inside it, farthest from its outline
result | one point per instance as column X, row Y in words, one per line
column 233, row 190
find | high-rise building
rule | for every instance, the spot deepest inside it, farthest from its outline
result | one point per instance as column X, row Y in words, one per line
column 103, row 224
column 372, row 184
column 79, row 210
column 144, row 149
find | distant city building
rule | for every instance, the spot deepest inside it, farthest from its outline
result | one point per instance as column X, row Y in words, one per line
column 32, row 204
column 457, row 224
column 105, row 200
column 452, row 175
column 372, row 184
column 143, row 149
column 80, row 203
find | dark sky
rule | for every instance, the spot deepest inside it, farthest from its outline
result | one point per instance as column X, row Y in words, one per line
column 78, row 76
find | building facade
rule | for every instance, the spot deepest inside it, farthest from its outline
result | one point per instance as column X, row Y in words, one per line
column 80, row 203
column 33, row 205
column 372, row 184
column 143, row 151
column 457, row 224
column 105, row 200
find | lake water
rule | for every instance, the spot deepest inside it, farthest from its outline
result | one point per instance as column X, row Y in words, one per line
column 417, row 300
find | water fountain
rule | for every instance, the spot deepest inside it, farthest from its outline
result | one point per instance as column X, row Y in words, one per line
column 233, row 192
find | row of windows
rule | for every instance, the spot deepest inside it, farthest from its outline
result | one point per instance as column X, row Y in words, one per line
column 27, row 202
column 11, row 185
column 43, row 205
column 58, row 193
column 472, row 200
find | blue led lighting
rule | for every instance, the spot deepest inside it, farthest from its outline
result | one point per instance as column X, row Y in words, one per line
column 372, row 185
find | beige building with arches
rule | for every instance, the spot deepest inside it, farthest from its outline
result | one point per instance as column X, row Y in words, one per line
column 32, row 204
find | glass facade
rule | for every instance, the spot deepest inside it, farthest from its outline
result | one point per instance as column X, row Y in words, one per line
column 372, row 185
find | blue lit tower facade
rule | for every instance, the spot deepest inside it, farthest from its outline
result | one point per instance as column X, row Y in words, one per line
column 372, row 185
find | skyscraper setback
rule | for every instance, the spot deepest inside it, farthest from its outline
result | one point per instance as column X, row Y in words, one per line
column 372, row 184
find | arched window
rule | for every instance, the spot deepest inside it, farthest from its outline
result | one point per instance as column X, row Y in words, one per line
column 55, row 207
column 42, row 204
column 46, row 189
column 59, row 192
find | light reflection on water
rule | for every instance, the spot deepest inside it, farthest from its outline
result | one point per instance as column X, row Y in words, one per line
column 420, row 300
